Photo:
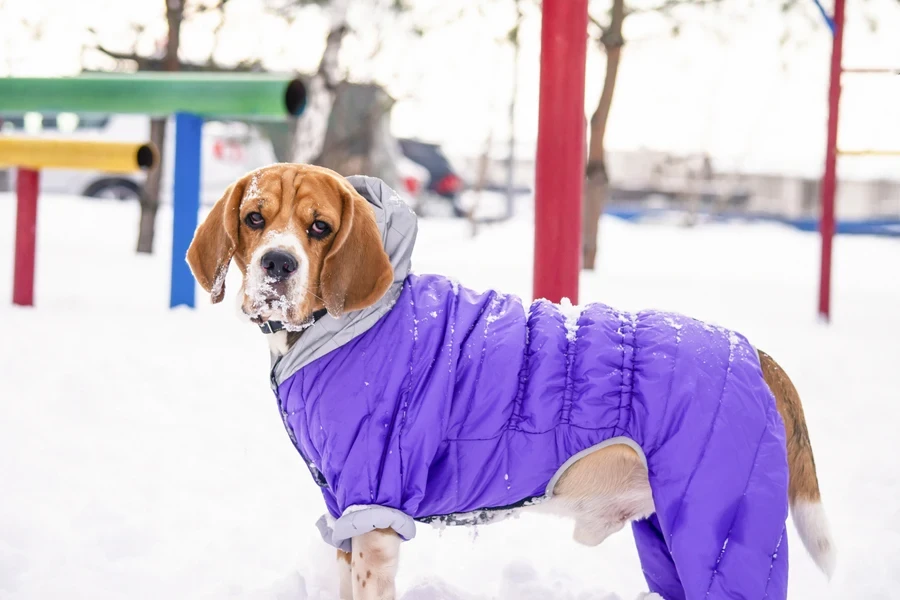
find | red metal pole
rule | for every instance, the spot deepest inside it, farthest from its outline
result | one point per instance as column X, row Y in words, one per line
column 559, row 175
column 27, row 183
column 829, row 179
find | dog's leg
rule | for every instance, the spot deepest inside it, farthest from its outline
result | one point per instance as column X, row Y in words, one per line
column 604, row 491
column 345, row 589
column 373, row 564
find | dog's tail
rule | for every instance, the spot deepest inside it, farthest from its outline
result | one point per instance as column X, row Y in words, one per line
column 803, row 485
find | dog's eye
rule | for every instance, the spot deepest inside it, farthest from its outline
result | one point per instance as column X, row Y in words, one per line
column 319, row 229
column 254, row 220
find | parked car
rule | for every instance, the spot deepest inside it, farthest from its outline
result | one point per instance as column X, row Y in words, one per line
column 444, row 181
column 229, row 149
column 413, row 181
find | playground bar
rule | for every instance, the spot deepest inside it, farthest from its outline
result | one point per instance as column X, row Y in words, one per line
column 31, row 155
column 70, row 154
column 27, row 184
column 559, row 175
column 186, row 205
column 872, row 71
column 219, row 95
column 191, row 97
column 869, row 152
column 829, row 179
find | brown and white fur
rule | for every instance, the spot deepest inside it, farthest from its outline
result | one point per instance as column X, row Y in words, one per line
column 315, row 217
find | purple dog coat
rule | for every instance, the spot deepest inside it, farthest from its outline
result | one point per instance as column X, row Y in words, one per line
column 450, row 404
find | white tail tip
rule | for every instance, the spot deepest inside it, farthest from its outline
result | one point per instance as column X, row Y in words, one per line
column 812, row 525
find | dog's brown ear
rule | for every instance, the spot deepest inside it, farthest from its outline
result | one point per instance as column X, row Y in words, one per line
column 215, row 240
column 357, row 271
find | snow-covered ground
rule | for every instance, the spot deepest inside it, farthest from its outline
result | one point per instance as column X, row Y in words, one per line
column 142, row 455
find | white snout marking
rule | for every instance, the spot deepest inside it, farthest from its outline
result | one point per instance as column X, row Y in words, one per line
column 259, row 290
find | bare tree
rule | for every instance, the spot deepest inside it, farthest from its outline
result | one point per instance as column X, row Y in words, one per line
column 514, row 39
column 151, row 189
column 597, row 178
column 177, row 12
column 310, row 130
column 309, row 134
column 300, row 139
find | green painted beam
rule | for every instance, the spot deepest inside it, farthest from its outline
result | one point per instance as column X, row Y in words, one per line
column 245, row 96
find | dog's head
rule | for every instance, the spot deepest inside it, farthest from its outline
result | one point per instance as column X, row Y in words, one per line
column 302, row 237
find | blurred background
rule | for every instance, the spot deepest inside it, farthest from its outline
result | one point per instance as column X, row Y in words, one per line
column 708, row 104
column 140, row 451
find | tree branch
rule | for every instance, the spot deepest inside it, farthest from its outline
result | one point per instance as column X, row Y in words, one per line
column 199, row 9
column 145, row 63
column 596, row 22
column 217, row 30
column 668, row 5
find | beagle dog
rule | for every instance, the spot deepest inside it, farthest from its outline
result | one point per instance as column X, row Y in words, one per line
column 316, row 273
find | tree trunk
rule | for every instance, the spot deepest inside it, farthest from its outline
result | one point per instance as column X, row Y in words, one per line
column 481, row 176
column 352, row 131
column 596, row 177
column 150, row 193
column 511, row 157
column 310, row 127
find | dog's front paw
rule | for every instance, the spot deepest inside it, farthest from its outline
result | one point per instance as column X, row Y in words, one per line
column 649, row 596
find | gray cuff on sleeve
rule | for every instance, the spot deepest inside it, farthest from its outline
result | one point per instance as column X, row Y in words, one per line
column 358, row 520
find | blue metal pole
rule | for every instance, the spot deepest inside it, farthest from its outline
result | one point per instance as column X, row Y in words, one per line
column 185, row 204
column 828, row 20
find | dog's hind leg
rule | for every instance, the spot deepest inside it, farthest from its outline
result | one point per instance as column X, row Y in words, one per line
column 603, row 492
column 373, row 564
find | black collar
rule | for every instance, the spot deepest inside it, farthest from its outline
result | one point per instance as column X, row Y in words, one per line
column 276, row 326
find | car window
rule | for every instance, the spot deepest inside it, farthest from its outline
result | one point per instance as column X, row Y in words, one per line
column 428, row 155
column 34, row 122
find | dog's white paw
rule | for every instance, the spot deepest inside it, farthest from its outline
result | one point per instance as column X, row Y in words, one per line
column 649, row 596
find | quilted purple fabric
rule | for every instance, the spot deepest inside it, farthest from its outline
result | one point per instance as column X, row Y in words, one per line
column 456, row 403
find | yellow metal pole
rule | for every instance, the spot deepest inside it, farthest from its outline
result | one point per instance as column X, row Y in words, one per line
column 869, row 152
column 110, row 157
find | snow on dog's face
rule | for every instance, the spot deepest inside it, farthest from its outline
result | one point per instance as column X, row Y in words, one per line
column 303, row 239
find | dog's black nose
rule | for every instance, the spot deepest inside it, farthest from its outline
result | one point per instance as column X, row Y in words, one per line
column 278, row 264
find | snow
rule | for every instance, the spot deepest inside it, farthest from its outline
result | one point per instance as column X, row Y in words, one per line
column 571, row 314
column 141, row 453
column 252, row 194
column 265, row 301
column 218, row 285
column 494, row 311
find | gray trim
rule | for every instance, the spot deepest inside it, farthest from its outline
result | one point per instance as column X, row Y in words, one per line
column 358, row 520
column 576, row 457
column 398, row 226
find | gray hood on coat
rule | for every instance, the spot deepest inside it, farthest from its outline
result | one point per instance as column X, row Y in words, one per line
column 398, row 226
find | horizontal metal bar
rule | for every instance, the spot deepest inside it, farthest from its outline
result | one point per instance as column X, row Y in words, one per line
column 873, row 71
column 256, row 95
column 869, row 152
column 111, row 157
